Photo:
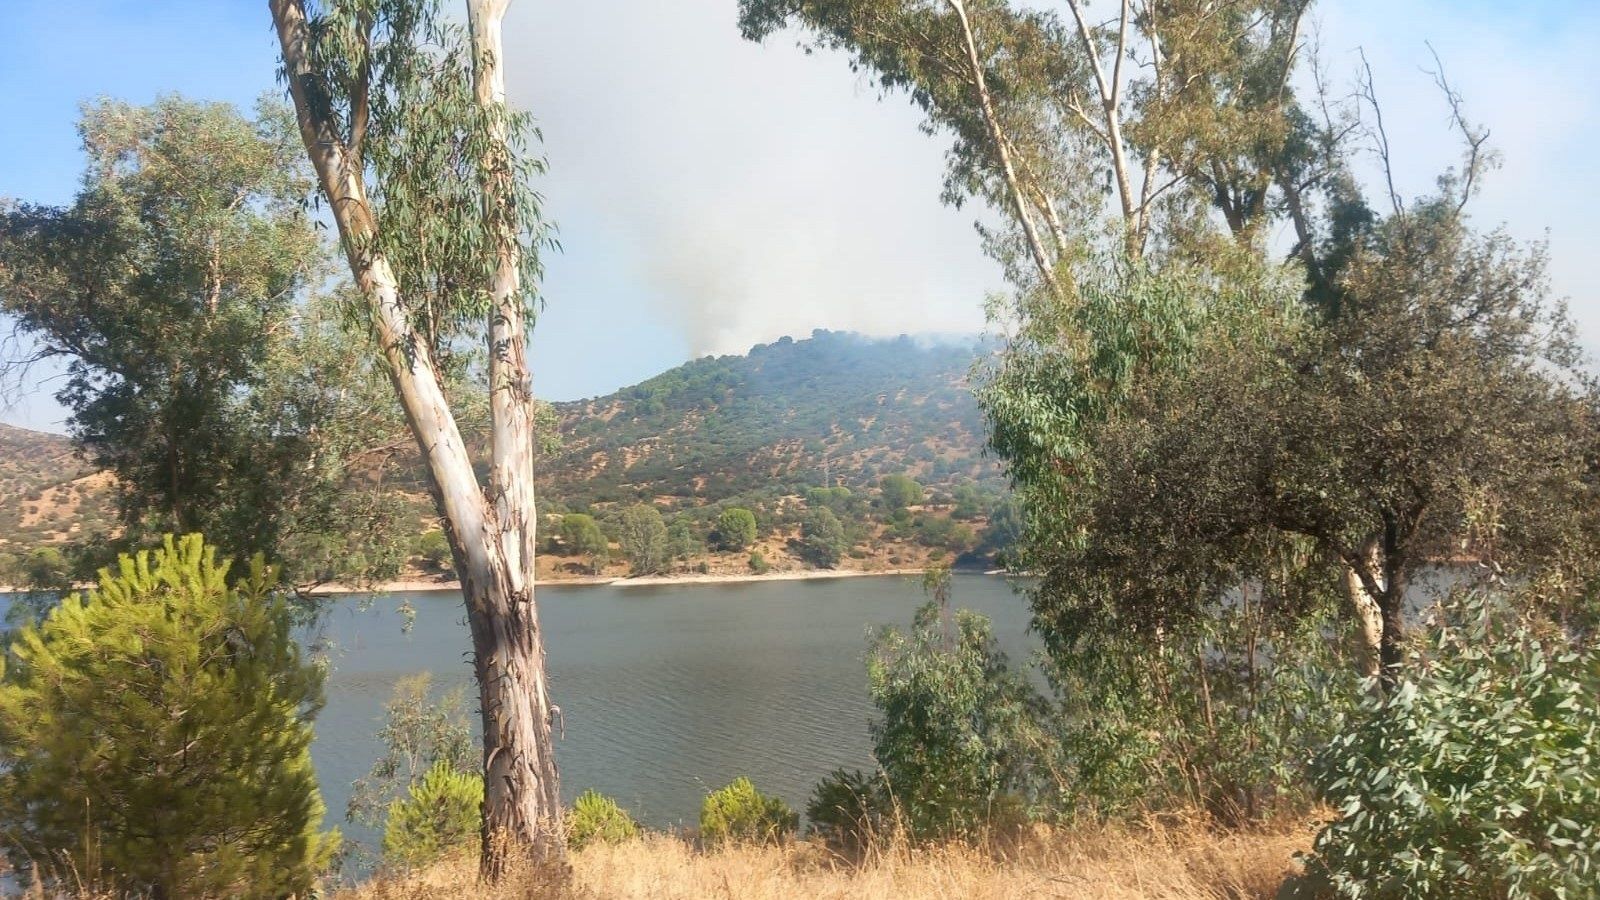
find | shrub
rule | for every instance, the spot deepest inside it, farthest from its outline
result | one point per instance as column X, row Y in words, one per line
column 1476, row 776
column 758, row 563
column 439, row 813
column 849, row 810
column 596, row 817
column 960, row 737
column 434, row 547
column 739, row 812
column 155, row 734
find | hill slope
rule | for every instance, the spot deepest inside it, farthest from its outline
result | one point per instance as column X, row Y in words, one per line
column 833, row 410
column 756, row 431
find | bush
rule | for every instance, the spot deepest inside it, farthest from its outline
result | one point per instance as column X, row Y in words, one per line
column 739, row 812
column 758, row 563
column 961, row 735
column 1476, row 776
column 439, row 813
column 596, row 817
column 434, row 548
column 155, row 734
column 849, row 810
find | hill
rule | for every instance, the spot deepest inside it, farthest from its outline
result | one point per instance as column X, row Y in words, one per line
column 763, row 431
column 834, row 410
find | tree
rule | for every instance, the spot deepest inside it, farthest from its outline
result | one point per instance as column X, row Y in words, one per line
column 736, row 528
column 822, row 538
column 642, row 535
column 155, row 734
column 425, row 172
column 1174, row 109
column 580, row 535
column 682, row 539
column 181, row 285
column 899, row 492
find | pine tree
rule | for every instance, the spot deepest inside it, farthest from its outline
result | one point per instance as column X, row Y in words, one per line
column 155, row 734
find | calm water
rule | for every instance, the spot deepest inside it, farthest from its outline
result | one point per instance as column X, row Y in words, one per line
column 667, row 691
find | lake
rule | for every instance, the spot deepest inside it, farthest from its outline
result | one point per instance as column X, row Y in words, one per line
column 667, row 691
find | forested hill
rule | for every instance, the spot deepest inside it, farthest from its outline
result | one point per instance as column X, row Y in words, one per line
column 757, row 431
column 835, row 409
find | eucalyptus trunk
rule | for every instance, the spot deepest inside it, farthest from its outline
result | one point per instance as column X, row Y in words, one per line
column 491, row 535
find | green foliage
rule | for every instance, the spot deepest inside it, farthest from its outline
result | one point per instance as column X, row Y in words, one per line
column 900, row 492
column 581, row 535
column 758, row 563
column 434, row 548
column 439, row 814
column 417, row 734
column 642, row 535
column 155, row 735
column 182, row 286
column 596, row 817
column 960, row 740
column 822, row 538
column 736, row 529
column 849, row 810
column 740, row 813
column 1476, row 776
column 682, row 539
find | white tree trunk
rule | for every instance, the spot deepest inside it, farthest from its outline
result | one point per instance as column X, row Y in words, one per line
column 521, row 804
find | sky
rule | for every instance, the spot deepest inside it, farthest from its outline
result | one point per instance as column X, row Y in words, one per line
column 712, row 194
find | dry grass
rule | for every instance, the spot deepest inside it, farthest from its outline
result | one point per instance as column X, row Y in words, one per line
column 1167, row 863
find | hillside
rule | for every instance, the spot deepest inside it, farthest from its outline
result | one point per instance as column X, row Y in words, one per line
column 762, row 431
column 47, row 494
column 832, row 410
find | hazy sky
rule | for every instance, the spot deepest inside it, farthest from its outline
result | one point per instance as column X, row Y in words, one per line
column 712, row 193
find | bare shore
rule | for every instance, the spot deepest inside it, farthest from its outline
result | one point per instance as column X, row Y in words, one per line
column 436, row 584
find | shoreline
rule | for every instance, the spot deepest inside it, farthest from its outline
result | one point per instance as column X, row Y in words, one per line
column 434, row 585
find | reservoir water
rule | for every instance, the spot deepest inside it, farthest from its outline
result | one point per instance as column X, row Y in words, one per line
column 667, row 691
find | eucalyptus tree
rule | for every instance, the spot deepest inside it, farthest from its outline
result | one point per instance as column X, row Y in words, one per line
column 1170, row 110
column 425, row 170
column 182, row 288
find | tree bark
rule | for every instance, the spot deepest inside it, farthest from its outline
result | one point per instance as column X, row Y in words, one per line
column 508, row 657
column 1368, row 613
column 521, row 790
column 1002, row 149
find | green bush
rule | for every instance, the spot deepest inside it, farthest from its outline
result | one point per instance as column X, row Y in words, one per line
column 1476, row 776
column 822, row 538
column 758, row 563
column 440, row 813
column 961, row 735
column 434, row 547
column 155, row 735
column 596, row 817
column 739, row 812
column 849, row 810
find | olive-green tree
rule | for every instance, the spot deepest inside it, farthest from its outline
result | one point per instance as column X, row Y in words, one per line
column 642, row 535
column 204, row 370
column 736, row 528
column 155, row 735
column 823, row 540
column 580, row 534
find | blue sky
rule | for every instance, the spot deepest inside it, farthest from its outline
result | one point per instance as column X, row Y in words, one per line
column 712, row 193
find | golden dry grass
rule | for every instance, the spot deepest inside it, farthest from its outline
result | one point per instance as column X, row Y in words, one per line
column 1166, row 863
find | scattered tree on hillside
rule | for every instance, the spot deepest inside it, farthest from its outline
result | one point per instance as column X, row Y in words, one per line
column 899, row 492
column 424, row 167
column 736, row 529
column 822, row 538
column 581, row 536
column 642, row 535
